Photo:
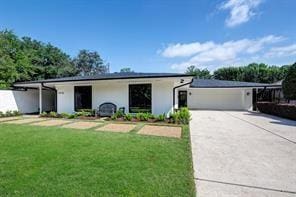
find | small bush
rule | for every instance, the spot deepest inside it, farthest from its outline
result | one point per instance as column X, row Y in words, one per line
column 184, row 115
column 16, row 113
column 72, row 116
column 143, row 116
column 83, row 114
column 90, row 112
column 53, row 114
column 181, row 116
column 161, row 117
column 65, row 115
column 128, row 117
column 8, row 113
column 117, row 114
column 43, row 114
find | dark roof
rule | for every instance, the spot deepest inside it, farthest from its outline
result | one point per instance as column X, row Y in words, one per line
column 109, row 76
column 213, row 83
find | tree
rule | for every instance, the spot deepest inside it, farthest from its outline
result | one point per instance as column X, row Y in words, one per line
column 289, row 83
column 90, row 63
column 203, row 74
column 260, row 73
column 26, row 59
column 126, row 70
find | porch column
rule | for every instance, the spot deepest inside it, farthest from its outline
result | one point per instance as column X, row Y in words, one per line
column 40, row 98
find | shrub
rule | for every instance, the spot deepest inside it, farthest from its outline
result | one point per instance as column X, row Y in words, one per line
column 83, row 114
column 16, row 113
column 44, row 114
column 161, row 117
column 289, row 83
column 65, row 115
column 143, row 116
column 181, row 116
column 128, row 117
column 184, row 115
column 117, row 114
column 91, row 112
column 71, row 116
column 282, row 110
column 8, row 113
column 53, row 114
column 1, row 114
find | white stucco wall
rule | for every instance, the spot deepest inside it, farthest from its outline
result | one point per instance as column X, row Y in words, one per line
column 214, row 98
column 117, row 92
column 65, row 99
column 26, row 101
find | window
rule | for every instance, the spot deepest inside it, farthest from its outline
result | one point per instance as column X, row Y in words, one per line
column 82, row 97
column 140, row 98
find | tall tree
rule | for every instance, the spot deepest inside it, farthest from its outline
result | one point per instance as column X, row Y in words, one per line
column 260, row 73
column 289, row 83
column 126, row 70
column 200, row 73
column 90, row 63
column 27, row 59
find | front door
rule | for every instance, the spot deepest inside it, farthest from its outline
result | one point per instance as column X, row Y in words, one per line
column 182, row 97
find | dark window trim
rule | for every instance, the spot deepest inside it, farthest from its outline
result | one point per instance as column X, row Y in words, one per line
column 75, row 107
column 129, row 95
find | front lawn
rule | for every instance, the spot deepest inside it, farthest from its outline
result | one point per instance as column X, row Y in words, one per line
column 51, row 161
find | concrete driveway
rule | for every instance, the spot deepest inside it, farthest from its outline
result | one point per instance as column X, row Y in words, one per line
column 239, row 153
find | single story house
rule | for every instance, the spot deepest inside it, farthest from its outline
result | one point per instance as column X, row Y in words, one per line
column 156, row 93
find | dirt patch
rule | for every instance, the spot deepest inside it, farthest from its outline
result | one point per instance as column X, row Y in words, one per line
column 122, row 128
column 8, row 119
column 51, row 123
column 26, row 120
column 82, row 125
column 161, row 131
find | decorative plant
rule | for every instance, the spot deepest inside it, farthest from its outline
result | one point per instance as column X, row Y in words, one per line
column 53, row 114
column 161, row 117
column 128, row 117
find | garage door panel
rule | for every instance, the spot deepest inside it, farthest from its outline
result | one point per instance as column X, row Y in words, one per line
column 216, row 99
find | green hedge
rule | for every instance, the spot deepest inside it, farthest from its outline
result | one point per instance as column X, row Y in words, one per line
column 282, row 110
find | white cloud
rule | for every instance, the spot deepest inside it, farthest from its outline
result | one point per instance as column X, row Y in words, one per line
column 185, row 50
column 282, row 51
column 217, row 54
column 241, row 11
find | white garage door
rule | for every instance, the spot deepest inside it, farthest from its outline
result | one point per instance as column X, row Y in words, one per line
column 237, row 99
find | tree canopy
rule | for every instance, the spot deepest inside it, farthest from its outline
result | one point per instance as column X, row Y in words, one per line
column 126, row 70
column 23, row 59
column 90, row 63
column 260, row 73
column 200, row 73
column 289, row 83
column 26, row 59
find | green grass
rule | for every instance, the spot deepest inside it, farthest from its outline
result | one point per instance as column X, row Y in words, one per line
column 40, row 161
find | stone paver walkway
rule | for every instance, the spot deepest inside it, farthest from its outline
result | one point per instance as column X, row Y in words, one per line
column 165, row 131
column 123, row 128
column 9, row 118
column 82, row 125
column 26, row 120
column 51, row 123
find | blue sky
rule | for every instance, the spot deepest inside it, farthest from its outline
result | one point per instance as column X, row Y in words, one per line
column 161, row 35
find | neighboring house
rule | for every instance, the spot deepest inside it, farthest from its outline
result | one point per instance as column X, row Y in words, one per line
column 156, row 93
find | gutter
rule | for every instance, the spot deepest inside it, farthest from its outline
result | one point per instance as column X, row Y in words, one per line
column 174, row 91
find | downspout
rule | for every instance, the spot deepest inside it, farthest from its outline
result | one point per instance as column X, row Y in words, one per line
column 56, row 94
column 174, row 91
